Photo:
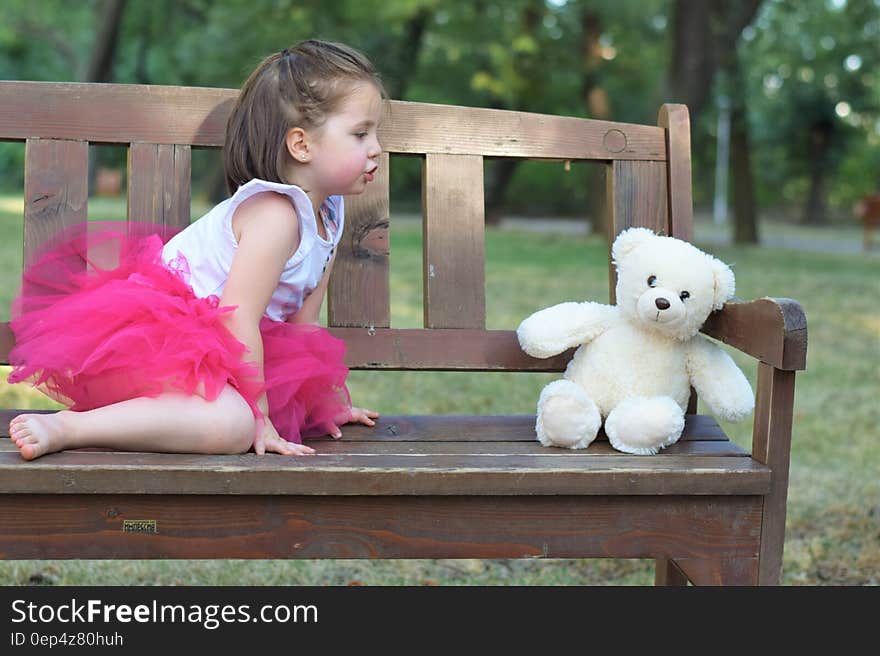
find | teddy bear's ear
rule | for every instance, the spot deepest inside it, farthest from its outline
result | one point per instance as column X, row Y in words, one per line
column 628, row 240
column 725, row 283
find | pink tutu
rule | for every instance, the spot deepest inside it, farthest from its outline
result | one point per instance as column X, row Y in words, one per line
column 101, row 319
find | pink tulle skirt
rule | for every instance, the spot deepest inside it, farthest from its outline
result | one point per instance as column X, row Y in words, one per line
column 102, row 319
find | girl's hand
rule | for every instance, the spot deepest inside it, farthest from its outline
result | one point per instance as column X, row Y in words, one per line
column 358, row 416
column 270, row 441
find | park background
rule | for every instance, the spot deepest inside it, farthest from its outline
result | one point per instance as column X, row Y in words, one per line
column 784, row 98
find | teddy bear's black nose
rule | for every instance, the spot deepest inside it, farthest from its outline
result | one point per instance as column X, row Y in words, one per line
column 662, row 304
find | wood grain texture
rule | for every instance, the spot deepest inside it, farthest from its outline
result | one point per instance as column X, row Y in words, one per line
column 420, row 430
column 7, row 341
column 636, row 197
column 121, row 114
column 441, row 350
column 91, row 526
column 472, row 445
column 771, row 444
column 720, row 571
column 667, row 573
column 772, row 330
column 359, row 474
column 454, row 260
column 359, row 287
column 56, row 190
column 675, row 119
column 159, row 184
column 418, row 350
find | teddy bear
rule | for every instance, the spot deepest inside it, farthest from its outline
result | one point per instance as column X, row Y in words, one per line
column 636, row 361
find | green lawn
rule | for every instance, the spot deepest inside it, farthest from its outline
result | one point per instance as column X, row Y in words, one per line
column 833, row 529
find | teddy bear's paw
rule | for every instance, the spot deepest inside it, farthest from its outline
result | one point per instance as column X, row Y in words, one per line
column 643, row 426
column 737, row 409
column 567, row 417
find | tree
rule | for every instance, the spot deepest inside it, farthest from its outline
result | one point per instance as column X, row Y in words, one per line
column 815, row 102
column 705, row 37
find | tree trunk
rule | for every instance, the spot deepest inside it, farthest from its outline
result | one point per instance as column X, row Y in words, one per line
column 408, row 54
column 745, row 230
column 692, row 64
column 815, row 212
column 705, row 36
column 503, row 170
column 500, row 175
column 100, row 68
column 598, row 107
column 104, row 50
column 704, row 39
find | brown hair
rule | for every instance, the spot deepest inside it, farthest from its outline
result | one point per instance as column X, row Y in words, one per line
column 298, row 87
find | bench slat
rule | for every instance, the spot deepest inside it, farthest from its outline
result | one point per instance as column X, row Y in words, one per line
column 56, row 189
column 675, row 119
column 415, row 349
column 192, row 526
column 454, row 272
column 7, row 341
column 359, row 293
column 441, row 350
column 122, row 113
column 159, row 184
column 491, row 428
column 454, row 428
column 637, row 196
column 86, row 472
column 423, row 447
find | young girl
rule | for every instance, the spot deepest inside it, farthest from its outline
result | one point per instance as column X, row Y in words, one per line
column 210, row 343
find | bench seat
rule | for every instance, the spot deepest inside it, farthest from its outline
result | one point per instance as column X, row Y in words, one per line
column 413, row 486
column 406, row 455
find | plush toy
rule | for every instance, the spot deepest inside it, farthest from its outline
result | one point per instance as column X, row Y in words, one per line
column 636, row 361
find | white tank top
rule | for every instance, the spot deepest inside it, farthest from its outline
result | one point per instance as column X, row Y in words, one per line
column 208, row 246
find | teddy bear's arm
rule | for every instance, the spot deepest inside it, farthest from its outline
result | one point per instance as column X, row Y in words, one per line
column 718, row 380
column 554, row 329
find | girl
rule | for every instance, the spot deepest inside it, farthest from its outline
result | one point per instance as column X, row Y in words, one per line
column 210, row 343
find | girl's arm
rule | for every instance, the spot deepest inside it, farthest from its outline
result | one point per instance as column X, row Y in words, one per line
column 267, row 230
column 310, row 311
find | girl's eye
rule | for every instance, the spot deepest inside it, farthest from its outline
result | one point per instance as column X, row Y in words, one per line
column 360, row 135
column 652, row 281
column 684, row 295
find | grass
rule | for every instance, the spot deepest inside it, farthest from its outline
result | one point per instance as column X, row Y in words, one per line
column 833, row 527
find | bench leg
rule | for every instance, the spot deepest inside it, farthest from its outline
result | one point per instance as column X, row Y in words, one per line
column 667, row 573
column 727, row 571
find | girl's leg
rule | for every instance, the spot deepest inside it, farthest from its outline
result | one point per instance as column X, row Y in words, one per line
column 169, row 423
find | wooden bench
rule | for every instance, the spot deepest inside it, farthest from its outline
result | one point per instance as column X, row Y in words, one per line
column 414, row 486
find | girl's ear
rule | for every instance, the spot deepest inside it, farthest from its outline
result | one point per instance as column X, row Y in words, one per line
column 297, row 143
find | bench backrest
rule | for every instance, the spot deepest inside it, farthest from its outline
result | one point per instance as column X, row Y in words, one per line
column 648, row 184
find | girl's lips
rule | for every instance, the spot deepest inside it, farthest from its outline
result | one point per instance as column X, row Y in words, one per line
column 369, row 176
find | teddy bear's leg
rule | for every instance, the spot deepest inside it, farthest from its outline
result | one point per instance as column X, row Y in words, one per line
column 643, row 425
column 567, row 417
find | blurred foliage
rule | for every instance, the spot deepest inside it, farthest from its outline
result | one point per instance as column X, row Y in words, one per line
column 804, row 61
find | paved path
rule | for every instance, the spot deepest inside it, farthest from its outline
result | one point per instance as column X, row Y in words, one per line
column 773, row 235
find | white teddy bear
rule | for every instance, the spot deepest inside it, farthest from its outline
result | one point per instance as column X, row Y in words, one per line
column 636, row 361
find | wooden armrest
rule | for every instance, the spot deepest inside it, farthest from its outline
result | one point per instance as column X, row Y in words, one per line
column 772, row 330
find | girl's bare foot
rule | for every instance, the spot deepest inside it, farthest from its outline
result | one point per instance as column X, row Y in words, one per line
column 37, row 435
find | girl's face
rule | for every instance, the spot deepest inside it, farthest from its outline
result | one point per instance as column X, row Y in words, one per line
column 345, row 150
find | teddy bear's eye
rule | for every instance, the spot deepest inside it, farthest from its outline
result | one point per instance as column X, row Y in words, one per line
column 652, row 280
column 684, row 295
